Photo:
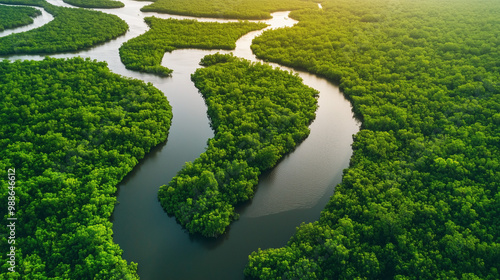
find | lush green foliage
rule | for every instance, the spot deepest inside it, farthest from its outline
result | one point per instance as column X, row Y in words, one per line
column 421, row 197
column 11, row 17
column 105, row 4
column 258, row 114
column 242, row 9
column 145, row 52
column 39, row 3
column 72, row 130
column 71, row 30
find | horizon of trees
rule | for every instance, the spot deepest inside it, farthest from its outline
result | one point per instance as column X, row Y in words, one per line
column 421, row 196
column 102, row 4
column 145, row 52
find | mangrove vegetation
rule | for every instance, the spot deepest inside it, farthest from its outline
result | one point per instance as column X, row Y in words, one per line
column 243, row 9
column 102, row 4
column 258, row 114
column 72, row 29
column 421, row 197
column 145, row 52
column 11, row 17
column 72, row 130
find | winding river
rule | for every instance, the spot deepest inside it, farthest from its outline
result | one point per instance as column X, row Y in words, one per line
column 295, row 191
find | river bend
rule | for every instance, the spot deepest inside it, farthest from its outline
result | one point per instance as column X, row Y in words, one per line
column 295, row 191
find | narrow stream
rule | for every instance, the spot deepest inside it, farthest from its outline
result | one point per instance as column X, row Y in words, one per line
column 295, row 191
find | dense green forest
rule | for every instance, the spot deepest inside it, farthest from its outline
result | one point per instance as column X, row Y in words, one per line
column 242, row 9
column 145, row 52
column 72, row 130
column 421, row 198
column 11, row 17
column 103, row 4
column 71, row 30
column 258, row 114
column 39, row 3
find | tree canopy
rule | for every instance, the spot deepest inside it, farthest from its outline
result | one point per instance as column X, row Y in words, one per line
column 145, row 52
column 11, row 17
column 72, row 29
column 242, row 9
column 258, row 114
column 72, row 130
column 103, row 4
column 420, row 199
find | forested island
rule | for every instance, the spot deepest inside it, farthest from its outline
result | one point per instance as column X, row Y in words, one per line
column 103, row 4
column 258, row 114
column 72, row 29
column 421, row 197
column 11, row 17
column 74, row 131
column 242, row 9
column 144, row 53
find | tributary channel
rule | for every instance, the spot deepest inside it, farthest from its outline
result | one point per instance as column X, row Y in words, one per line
column 295, row 191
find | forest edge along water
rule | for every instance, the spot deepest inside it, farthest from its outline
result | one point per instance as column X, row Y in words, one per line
column 295, row 191
column 38, row 21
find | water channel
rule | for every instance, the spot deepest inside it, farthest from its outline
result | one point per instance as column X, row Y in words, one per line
column 295, row 191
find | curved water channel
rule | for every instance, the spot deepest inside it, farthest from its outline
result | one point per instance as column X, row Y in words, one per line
column 295, row 191
column 38, row 21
